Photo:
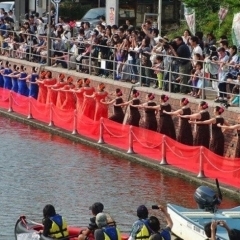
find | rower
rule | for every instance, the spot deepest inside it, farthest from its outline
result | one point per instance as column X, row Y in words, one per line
column 54, row 225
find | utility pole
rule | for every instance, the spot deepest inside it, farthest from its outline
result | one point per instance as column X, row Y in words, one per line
column 160, row 17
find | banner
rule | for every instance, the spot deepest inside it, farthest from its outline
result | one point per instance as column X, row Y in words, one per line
column 222, row 14
column 189, row 14
column 191, row 21
column 236, row 29
column 112, row 12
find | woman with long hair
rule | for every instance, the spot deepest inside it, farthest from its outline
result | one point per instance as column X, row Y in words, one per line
column 217, row 139
column 202, row 137
column 185, row 135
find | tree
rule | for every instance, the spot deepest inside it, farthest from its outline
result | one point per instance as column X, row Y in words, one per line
column 207, row 15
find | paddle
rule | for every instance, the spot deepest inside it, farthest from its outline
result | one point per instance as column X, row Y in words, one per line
column 219, row 190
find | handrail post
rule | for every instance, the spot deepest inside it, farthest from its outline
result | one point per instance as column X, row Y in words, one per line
column 74, row 132
column 51, row 124
column 101, row 139
column 203, row 82
column 29, row 108
column 130, row 138
column 10, row 102
column 201, row 170
column 164, row 159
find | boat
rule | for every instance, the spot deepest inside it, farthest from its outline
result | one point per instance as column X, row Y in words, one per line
column 26, row 229
column 189, row 223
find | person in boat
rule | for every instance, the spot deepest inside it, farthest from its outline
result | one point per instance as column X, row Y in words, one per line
column 54, row 225
column 140, row 229
column 96, row 208
column 154, row 224
column 105, row 231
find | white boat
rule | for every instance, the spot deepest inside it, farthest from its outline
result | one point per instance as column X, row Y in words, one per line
column 188, row 224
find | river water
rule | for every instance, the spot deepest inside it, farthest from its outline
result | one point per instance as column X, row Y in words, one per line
column 38, row 168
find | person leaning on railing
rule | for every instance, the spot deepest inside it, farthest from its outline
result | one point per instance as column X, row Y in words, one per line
column 182, row 51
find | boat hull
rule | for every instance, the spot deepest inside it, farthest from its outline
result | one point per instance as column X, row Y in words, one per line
column 189, row 223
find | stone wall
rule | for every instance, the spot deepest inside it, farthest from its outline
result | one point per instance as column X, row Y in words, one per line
column 230, row 115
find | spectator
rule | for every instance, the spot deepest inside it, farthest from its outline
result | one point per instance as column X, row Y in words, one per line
column 182, row 51
column 87, row 30
column 129, row 24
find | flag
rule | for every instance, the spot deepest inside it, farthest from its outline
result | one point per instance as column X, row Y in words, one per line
column 236, row 29
column 191, row 21
column 222, row 13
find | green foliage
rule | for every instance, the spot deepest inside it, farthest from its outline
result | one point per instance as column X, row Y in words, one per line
column 207, row 15
column 73, row 11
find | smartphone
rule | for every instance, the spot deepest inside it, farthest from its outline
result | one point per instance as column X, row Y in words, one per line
column 155, row 207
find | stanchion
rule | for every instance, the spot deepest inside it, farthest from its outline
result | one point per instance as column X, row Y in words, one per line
column 29, row 108
column 10, row 102
column 74, row 132
column 201, row 170
column 130, row 137
column 51, row 124
column 164, row 159
column 101, row 139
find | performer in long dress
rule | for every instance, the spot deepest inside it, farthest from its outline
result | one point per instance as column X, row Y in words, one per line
column 14, row 78
column 217, row 139
column 32, row 80
column 78, row 91
column 1, row 76
column 233, row 127
column 52, row 88
column 22, row 82
column 150, row 112
column 45, row 79
column 5, row 73
column 185, row 135
column 133, row 105
column 118, row 114
column 202, row 137
column 69, row 103
column 100, row 96
column 89, row 104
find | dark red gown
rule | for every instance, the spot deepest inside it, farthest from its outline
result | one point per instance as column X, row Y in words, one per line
column 89, row 103
column 101, row 109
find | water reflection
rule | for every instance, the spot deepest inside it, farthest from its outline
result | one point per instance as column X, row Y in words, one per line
column 38, row 168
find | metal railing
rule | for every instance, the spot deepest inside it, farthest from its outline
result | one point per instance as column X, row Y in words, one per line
column 102, row 60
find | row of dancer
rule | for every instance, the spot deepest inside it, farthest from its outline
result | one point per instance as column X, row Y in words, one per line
column 64, row 94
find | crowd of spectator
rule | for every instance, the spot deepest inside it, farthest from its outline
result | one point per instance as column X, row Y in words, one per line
column 186, row 64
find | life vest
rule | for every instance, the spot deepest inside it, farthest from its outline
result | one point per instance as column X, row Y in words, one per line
column 111, row 233
column 59, row 227
column 145, row 230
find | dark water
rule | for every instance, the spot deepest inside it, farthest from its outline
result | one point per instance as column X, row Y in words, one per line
column 37, row 168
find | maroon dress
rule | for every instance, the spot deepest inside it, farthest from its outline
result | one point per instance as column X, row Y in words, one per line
column 202, row 137
column 134, row 113
column 217, row 141
column 185, row 135
column 166, row 125
column 118, row 114
column 150, row 117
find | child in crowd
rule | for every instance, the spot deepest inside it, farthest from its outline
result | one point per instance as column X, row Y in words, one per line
column 158, row 70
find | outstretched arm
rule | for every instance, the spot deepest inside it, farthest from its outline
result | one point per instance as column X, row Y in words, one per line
column 236, row 126
column 206, row 122
column 175, row 113
column 192, row 116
